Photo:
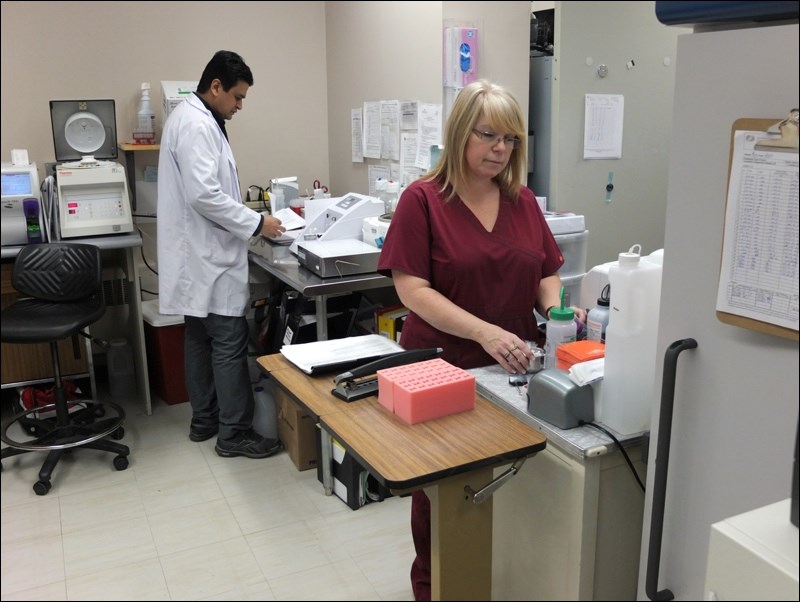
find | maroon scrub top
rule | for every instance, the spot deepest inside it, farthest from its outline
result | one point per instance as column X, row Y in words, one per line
column 493, row 275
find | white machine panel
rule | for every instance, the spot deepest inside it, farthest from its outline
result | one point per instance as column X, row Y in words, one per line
column 93, row 199
column 342, row 219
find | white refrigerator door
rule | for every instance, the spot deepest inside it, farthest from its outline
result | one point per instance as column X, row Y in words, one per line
column 736, row 394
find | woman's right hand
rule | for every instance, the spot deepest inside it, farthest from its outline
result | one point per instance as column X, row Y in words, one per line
column 511, row 352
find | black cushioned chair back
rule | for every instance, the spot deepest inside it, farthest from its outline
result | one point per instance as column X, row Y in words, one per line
column 60, row 272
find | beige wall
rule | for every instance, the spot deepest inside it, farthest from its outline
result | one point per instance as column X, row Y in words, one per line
column 314, row 61
column 376, row 51
column 393, row 50
column 69, row 50
column 613, row 33
column 311, row 61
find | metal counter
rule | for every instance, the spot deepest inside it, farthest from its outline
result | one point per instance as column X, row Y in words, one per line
column 278, row 261
column 112, row 241
column 580, row 442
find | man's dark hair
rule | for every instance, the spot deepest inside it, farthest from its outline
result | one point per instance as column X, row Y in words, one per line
column 229, row 68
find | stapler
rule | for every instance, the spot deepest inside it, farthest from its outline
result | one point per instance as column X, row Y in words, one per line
column 362, row 381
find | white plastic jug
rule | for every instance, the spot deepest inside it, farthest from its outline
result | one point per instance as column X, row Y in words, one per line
column 265, row 413
column 631, row 343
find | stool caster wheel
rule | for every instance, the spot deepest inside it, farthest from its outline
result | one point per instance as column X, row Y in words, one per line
column 121, row 462
column 41, row 487
column 118, row 434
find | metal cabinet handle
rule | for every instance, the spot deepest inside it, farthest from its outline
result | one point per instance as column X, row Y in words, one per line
column 662, row 466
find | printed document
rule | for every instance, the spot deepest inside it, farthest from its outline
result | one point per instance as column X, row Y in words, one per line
column 317, row 356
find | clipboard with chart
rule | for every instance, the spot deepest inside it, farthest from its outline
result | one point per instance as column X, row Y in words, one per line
column 758, row 282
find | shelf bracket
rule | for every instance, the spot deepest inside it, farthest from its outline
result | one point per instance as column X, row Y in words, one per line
column 483, row 494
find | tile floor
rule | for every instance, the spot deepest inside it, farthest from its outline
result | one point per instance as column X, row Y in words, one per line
column 182, row 523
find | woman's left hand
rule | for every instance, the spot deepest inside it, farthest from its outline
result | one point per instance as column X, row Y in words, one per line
column 579, row 313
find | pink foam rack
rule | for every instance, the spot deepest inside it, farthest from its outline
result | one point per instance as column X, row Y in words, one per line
column 426, row 390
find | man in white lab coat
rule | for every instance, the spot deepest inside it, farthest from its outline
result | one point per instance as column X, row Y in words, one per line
column 203, row 233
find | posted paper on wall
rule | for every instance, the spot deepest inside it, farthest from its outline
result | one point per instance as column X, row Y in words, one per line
column 372, row 130
column 357, row 151
column 390, row 129
column 430, row 132
column 602, row 134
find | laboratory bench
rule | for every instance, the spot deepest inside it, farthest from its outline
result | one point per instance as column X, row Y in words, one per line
column 123, row 318
column 277, row 261
column 568, row 525
column 404, row 457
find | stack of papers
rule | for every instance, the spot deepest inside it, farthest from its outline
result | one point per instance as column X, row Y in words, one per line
column 339, row 354
column 293, row 223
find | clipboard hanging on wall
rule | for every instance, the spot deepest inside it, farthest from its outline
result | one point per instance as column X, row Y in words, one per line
column 758, row 281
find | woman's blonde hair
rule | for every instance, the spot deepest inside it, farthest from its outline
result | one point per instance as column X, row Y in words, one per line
column 480, row 99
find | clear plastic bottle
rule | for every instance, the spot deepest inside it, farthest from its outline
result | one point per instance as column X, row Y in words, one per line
column 597, row 319
column 145, row 131
column 380, row 192
column 631, row 343
column 392, row 195
column 561, row 328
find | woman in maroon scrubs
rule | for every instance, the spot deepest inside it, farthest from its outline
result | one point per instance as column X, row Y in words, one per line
column 471, row 257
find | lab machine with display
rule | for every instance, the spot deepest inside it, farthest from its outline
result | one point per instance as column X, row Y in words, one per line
column 92, row 189
column 21, row 223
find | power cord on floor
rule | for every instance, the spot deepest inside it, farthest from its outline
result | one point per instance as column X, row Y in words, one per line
column 622, row 449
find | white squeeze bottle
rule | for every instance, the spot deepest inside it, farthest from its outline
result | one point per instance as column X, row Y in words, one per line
column 145, row 132
column 631, row 339
column 561, row 328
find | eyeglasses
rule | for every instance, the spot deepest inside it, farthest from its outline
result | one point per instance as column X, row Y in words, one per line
column 492, row 138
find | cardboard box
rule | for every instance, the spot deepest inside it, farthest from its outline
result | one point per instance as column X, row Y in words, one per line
column 389, row 322
column 297, row 431
column 172, row 93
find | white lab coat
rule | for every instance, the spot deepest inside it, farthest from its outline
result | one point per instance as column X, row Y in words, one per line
column 203, row 226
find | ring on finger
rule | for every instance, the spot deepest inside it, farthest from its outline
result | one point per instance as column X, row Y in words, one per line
column 506, row 355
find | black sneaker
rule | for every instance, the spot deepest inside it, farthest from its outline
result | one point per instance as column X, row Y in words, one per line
column 201, row 432
column 247, row 443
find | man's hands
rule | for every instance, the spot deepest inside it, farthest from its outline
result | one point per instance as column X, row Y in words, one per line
column 271, row 228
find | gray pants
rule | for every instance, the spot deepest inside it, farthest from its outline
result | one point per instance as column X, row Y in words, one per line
column 217, row 378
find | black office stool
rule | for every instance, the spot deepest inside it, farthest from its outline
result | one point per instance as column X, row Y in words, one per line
column 60, row 294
